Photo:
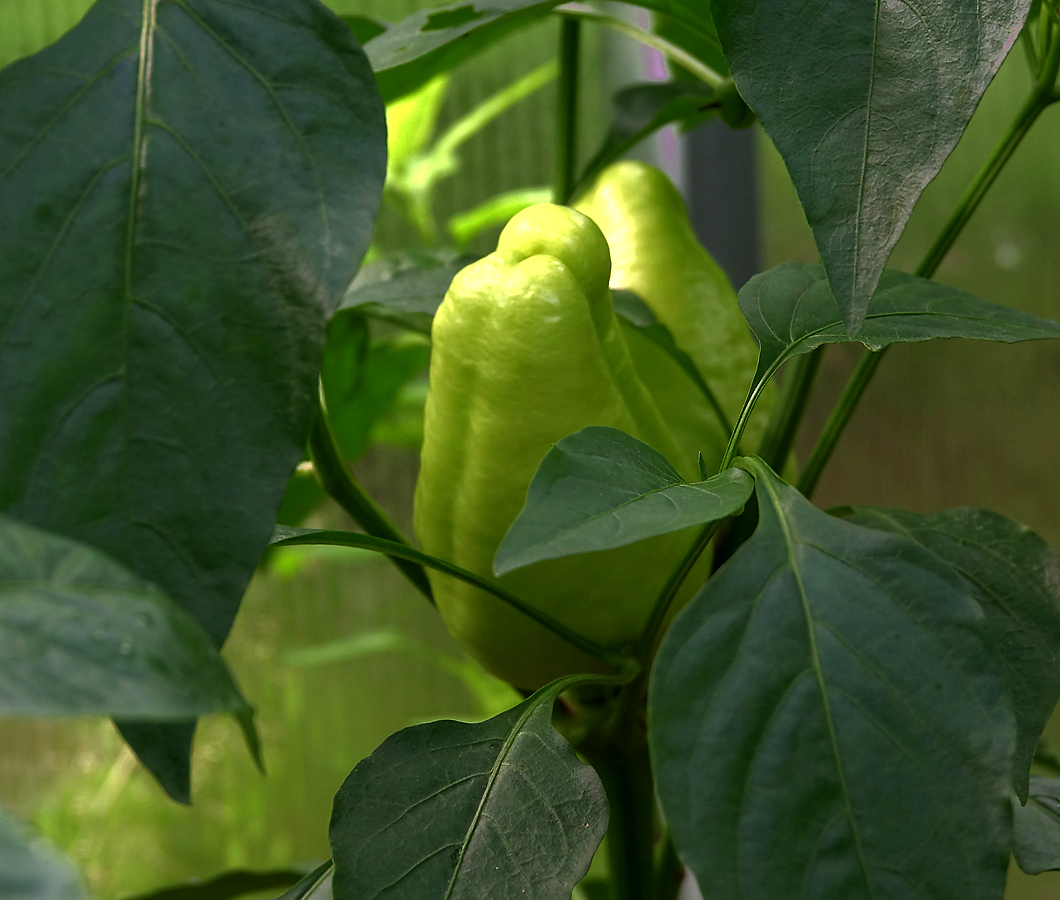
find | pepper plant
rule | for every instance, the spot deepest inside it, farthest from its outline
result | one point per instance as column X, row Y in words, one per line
column 848, row 703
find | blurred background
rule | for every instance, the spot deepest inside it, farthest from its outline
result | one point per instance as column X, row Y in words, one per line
column 333, row 648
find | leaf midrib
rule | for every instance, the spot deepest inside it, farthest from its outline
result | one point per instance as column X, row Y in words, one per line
column 517, row 729
column 789, row 545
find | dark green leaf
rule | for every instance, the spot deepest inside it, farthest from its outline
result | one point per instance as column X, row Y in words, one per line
column 315, row 886
column 828, row 719
column 32, row 870
column 364, row 28
column 600, row 488
column 81, row 635
column 500, row 809
column 228, row 885
column 1017, row 577
column 642, row 109
column 172, row 252
column 406, row 288
column 1036, row 827
column 864, row 101
column 792, row 310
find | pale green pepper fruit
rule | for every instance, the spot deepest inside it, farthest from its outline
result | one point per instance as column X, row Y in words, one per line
column 526, row 350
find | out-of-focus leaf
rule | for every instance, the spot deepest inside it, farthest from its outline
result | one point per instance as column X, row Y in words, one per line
column 227, row 885
column 360, row 395
column 365, row 28
column 466, row 226
column 640, row 110
column 32, row 870
column 405, row 288
column 81, row 635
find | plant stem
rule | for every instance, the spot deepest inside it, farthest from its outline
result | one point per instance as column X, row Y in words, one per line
column 1042, row 95
column 784, row 423
column 669, row 870
column 625, row 770
column 298, row 537
column 337, row 479
column 673, row 584
column 566, row 109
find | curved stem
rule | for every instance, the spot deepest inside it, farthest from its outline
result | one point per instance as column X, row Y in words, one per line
column 625, row 771
column 566, row 110
column 667, row 48
column 290, row 537
column 670, row 589
column 784, row 423
column 337, row 479
column 1042, row 95
column 838, row 419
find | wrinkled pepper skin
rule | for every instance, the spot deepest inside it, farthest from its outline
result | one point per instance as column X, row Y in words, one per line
column 526, row 350
column 655, row 254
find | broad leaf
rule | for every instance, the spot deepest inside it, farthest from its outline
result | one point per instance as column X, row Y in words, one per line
column 1036, row 827
column 500, row 809
column 827, row 718
column 315, row 886
column 172, row 251
column 600, row 488
column 1017, row 577
column 81, row 635
column 32, row 870
column 406, row 288
column 791, row 310
column 864, row 101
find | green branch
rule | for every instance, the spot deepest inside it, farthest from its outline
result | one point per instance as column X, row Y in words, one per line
column 1043, row 94
column 566, row 110
column 400, row 551
column 337, row 479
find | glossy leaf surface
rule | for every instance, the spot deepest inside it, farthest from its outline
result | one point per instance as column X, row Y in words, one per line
column 864, row 101
column 30, row 869
column 1036, row 827
column 1017, row 576
column 827, row 719
column 791, row 310
column 172, row 251
column 81, row 635
column 600, row 488
column 501, row 809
